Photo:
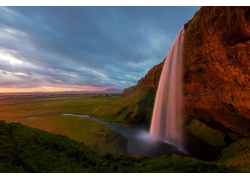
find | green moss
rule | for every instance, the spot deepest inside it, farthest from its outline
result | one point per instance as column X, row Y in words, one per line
column 210, row 136
column 237, row 154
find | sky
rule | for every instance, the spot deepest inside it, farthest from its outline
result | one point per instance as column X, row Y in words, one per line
column 84, row 48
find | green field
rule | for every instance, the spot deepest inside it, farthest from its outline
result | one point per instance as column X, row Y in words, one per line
column 17, row 109
column 46, row 113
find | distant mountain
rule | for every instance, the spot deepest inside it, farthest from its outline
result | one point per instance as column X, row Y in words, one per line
column 112, row 91
column 62, row 92
column 137, row 103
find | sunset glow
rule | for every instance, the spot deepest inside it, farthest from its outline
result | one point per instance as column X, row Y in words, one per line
column 55, row 89
column 49, row 49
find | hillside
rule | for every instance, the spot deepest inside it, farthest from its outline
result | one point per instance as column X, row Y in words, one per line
column 138, row 101
column 25, row 149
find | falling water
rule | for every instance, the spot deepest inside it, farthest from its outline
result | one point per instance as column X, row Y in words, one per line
column 167, row 113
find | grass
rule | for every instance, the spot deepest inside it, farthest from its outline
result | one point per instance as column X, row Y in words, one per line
column 45, row 113
column 25, row 149
column 56, row 105
column 94, row 135
column 237, row 154
column 179, row 164
column 135, row 107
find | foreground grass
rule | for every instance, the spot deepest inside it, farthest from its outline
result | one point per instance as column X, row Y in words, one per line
column 94, row 135
column 25, row 149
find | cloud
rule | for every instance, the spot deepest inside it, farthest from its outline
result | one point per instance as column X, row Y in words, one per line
column 85, row 46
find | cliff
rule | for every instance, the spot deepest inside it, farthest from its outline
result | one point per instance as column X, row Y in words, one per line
column 216, row 73
column 216, row 70
column 216, row 67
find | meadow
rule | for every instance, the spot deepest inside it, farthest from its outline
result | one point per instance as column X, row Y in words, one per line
column 45, row 112
column 36, row 122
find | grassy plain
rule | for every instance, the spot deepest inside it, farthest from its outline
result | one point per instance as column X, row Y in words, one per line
column 25, row 149
column 45, row 112
column 17, row 109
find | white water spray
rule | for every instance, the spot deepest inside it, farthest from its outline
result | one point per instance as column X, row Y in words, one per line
column 166, row 120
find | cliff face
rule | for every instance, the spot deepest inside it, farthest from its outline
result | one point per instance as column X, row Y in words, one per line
column 217, row 67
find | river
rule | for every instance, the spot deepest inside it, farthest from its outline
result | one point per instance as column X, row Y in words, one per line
column 139, row 141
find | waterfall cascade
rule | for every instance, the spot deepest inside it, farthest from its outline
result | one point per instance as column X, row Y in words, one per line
column 167, row 114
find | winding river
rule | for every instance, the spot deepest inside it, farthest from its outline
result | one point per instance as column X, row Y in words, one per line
column 139, row 141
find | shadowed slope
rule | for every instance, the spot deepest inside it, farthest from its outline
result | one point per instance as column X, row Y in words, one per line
column 24, row 149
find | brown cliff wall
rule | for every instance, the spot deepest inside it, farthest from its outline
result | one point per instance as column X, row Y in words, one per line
column 217, row 66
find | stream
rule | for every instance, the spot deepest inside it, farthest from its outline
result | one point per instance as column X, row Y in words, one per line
column 139, row 141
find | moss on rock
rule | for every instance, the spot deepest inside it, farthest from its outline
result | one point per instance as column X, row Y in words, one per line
column 237, row 154
column 210, row 136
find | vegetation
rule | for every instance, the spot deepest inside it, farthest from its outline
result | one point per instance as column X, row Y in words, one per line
column 237, row 154
column 210, row 136
column 25, row 149
column 94, row 135
column 135, row 107
column 46, row 113
column 26, row 107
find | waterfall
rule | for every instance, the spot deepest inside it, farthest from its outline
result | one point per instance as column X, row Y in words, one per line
column 167, row 114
